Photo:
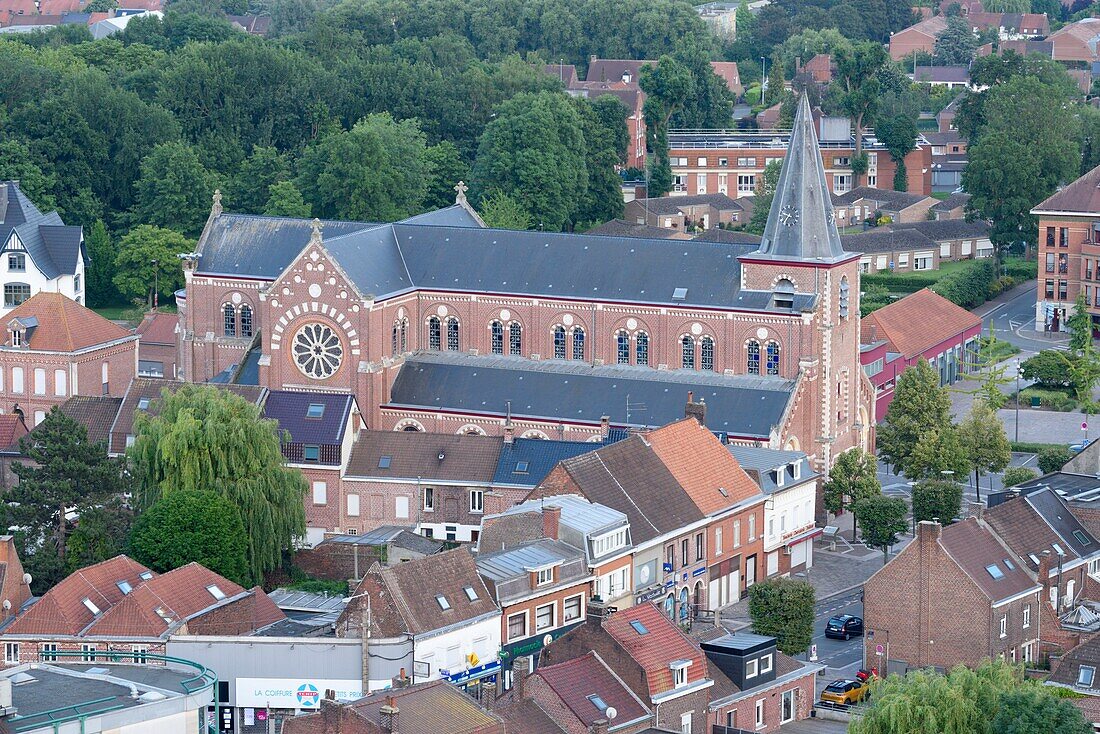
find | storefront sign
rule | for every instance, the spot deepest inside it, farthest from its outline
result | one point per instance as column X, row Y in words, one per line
column 698, row 572
column 465, row 676
column 293, row 693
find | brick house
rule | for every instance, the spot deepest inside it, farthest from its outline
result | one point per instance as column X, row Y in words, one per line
column 951, row 77
column 663, row 667
column 954, row 595
column 923, row 325
column 541, row 587
column 120, row 605
column 923, row 245
column 683, row 213
column 579, row 693
column 53, row 348
column 158, row 345
column 1076, row 671
column 854, row 206
column 953, row 207
column 1076, row 42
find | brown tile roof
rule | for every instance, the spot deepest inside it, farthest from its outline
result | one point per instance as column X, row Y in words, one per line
column 436, row 707
column 1022, row 529
column 61, row 610
column 96, row 413
column 12, row 428
column 1081, row 196
column 972, row 547
column 623, row 228
column 654, row 651
column 727, row 71
column 60, row 7
column 917, row 322
column 63, row 324
column 403, row 597
column 702, row 465
column 416, row 454
column 577, row 679
column 524, row 716
column 1087, row 653
column 158, row 328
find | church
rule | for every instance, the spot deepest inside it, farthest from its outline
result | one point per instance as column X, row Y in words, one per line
column 438, row 323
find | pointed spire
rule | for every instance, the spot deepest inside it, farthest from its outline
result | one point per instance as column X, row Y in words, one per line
column 801, row 224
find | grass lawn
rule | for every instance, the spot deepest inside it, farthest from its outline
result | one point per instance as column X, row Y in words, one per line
column 128, row 313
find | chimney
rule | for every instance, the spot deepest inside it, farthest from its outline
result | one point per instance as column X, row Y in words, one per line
column 401, row 680
column 387, row 716
column 977, row 510
column 696, row 410
column 928, row 530
column 605, row 425
column 551, row 520
column 509, row 431
column 1044, row 573
column 595, row 612
column 520, row 666
column 599, row 726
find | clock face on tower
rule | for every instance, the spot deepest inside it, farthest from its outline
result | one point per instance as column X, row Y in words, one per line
column 788, row 216
column 317, row 351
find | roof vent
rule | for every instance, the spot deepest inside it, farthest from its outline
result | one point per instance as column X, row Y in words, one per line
column 97, row 671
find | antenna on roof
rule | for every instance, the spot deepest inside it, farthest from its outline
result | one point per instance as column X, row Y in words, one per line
column 633, row 407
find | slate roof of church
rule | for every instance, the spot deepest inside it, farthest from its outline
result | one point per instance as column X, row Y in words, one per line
column 54, row 247
column 742, row 405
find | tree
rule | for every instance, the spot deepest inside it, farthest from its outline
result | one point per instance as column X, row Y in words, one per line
column 854, row 477
column 1053, row 458
column 535, row 151
column 1079, row 324
column 100, row 533
column 64, row 474
column 881, row 518
column 18, row 163
column 1083, row 369
column 101, row 266
column 668, row 84
column 148, row 257
column 206, row 438
column 374, row 172
column 899, row 134
column 957, row 44
column 857, row 88
column 445, row 169
column 285, row 200
column 919, row 406
column 776, row 90
column 937, row 499
column 984, row 442
column 174, row 190
column 1047, row 368
column 784, row 608
column 199, row 526
column 1032, row 710
column 502, row 211
column 1018, row 475
column 762, row 198
column 249, row 190
column 604, row 128
column 938, row 452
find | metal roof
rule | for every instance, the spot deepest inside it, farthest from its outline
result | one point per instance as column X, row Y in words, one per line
column 576, row 512
column 305, row 601
column 54, row 247
column 521, row 560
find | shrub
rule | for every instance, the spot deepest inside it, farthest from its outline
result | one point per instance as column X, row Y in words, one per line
column 1018, row 475
column 1053, row 458
column 1053, row 399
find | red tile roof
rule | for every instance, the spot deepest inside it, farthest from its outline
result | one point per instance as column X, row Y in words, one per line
column 436, row 707
column 1081, row 196
column 158, row 328
column 61, row 611
column 60, row 7
column 702, row 465
column 917, row 322
column 663, row 643
column 63, row 324
column 577, row 679
column 12, row 428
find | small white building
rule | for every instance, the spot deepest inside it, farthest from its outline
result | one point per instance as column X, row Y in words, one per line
column 40, row 252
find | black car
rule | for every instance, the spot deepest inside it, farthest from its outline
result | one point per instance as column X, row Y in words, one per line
column 844, row 627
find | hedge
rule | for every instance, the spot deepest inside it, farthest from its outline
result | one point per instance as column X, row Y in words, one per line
column 900, row 283
column 1053, row 399
column 1026, row 447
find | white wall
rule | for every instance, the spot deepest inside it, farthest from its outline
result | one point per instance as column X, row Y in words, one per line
column 448, row 651
column 791, row 510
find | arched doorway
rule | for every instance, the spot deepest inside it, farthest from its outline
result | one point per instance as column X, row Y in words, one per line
column 684, row 609
column 697, row 600
column 670, row 606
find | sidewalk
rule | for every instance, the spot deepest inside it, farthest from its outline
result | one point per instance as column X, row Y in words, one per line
column 996, row 302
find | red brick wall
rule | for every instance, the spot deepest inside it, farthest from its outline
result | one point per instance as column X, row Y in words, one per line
column 745, row 709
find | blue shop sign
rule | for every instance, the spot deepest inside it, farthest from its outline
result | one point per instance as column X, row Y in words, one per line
column 478, row 672
column 698, row 572
column 667, row 567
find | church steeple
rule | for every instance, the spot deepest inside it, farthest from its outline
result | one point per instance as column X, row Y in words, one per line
column 801, row 224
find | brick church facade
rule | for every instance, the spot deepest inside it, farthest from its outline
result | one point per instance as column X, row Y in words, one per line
column 438, row 323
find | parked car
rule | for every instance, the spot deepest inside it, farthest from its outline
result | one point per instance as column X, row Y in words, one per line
column 844, row 627
column 845, row 691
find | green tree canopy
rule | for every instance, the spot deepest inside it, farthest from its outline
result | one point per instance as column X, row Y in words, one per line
column 1047, row 368
column 668, row 85
column 285, row 200
column 100, row 533
column 784, row 608
column 502, row 211
column 984, row 442
column 142, row 254
column 204, row 438
column 937, row 499
column 1053, row 458
column 957, row 44
column 881, row 518
column 854, row 477
column 938, row 452
column 100, row 269
column 919, row 406
column 199, row 526
column 1033, row 710
column 174, row 190
column 1018, row 475
column 250, row 189
column 857, row 87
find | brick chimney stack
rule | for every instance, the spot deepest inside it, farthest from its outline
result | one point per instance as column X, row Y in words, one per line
column 927, row 530
column 599, row 726
column 520, row 666
column 595, row 612
column 551, row 521
column 387, row 716
column 696, row 410
column 1044, row 573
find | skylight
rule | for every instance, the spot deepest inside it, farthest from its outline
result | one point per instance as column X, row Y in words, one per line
column 124, row 586
column 1034, row 558
column 384, row 462
column 145, row 575
column 1009, row 564
column 1081, row 538
column 215, row 592
column 443, row 603
column 470, row 593
column 91, row 605
column 995, row 571
column 143, row 404
column 315, row 410
column 679, row 294
column 1057, row 549
column 639, row 627
column 598, row 702
column 521, row 467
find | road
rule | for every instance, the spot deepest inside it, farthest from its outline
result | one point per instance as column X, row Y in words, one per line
column 1014, row 321
column 838, row 653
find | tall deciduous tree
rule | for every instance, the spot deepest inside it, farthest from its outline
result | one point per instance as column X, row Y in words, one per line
column 205, row 438
column 919, row 406
column 147, row 259
column 857, row 87
column 193, row 526
column 285, row 200
column 64, row 474
column 667, row 85
column 501, row 211
column 984, row 442
column 854, row 477
column 101, row 266
column 938, row 452
column 174, row 190
column 882, row 518
column 249, row 190
column 937, row 499
column 899, row 134
column 1033, row 710
column 1079, row 324
column 784, row 608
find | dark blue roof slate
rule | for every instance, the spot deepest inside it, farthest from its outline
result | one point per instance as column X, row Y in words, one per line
column 741, row 405
column 451, row 216
column 527, row 461
column 289, row 408
column 54, row 247
column 372, row 260
column 249, row 373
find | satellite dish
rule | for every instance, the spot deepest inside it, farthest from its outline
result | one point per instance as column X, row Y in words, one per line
column 7, row 604
column 27, row 579
column 547, row 640
column 610, row 713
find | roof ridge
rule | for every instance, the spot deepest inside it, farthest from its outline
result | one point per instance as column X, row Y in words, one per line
column 622, row 488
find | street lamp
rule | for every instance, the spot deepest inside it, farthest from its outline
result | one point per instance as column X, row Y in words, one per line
column 1017, row 426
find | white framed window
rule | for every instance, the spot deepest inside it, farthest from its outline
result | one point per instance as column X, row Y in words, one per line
column 903, row 259
column 544, row 617
column 1085, row 676
column 353, row 505
column 429, row 499
column 680, row 673
column 736, row 533
column 572, row 607
column 752, row 668
column 604, row 544
column 766, row 664
column 320, row 493
column 60, row 383
column 477, row 500
column 723, row 183
column 613, row 584
column 139, row 653
column 88, row 652
column 701, row 183
column 11, row 652
column 47, row 652
column 718, row 541
column 39, row 416
column 401, row 507
column 759, row 713
column 39, row 381
column 746, row 183
column 752, row 528
column 517, row 626
column 1027, row 616
column 786, row 706
column 842, row 183
column 701, row 161
column 685, row 723
column 746, row 162
column 1004, row 626
column 544, row 576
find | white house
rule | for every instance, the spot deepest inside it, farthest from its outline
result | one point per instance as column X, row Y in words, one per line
column 40, row 252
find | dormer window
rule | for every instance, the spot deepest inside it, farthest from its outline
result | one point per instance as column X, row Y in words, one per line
column 544, row 576
column 780, row 475
column 16, row 338
column 124, row 587
column 145, row 575
column 215, row 592
column 796, row 468
column 17, row 262
column 784, row 294
column 680, row 672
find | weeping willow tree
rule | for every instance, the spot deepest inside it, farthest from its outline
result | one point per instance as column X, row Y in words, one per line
column 964, row 701
column 205, row 438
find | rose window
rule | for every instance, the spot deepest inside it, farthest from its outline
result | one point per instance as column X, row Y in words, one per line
column 317, row 351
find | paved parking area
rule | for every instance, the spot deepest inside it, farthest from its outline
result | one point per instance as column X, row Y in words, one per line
column 815, row 726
